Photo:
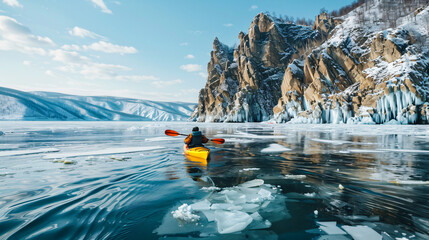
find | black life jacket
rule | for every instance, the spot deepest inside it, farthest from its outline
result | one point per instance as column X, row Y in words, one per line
column 196, row 140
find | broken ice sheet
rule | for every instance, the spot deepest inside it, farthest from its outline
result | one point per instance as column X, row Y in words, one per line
column 251, row 205
column 362, row 233
column 330, row 228
column 231, row 221
column 252, row 183
column 202, row 205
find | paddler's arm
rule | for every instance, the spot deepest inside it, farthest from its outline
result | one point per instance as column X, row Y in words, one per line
column 188, row 139
column 204, row 139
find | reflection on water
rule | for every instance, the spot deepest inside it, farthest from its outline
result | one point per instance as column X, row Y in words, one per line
column 383, row 171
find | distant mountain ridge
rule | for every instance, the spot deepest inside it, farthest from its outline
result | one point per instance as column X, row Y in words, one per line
column 19, row 105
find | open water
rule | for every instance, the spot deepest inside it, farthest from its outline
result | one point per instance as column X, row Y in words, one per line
column 123, row 180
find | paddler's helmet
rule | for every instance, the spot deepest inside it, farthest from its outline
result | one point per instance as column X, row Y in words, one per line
column 195, row 129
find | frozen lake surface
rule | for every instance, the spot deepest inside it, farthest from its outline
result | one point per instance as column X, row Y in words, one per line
column 127, row 180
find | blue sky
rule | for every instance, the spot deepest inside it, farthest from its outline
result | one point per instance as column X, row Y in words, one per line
column 155, row 50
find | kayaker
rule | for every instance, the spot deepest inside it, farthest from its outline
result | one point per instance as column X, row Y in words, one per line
column 196, row 138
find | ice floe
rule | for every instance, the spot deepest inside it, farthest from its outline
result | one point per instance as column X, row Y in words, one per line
column 362, row 233
column 103, row 152
column 249, row 169
column 27, row 152
column 273, row 148
column 330, row 228
column 231, row 221
column 295, row 177
column 249, row 206
column 210, row 189
column 252, row 183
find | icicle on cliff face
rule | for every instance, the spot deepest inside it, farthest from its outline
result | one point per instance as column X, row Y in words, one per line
column 350, row 69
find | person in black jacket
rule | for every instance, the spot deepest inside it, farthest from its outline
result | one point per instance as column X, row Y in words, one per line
column 196, row 138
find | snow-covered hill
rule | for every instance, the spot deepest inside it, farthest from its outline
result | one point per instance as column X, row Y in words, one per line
column 19, row 105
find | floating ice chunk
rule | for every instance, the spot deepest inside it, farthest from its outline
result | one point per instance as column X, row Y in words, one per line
column 249, row 169
column 265, row 194
column 250, row 207
column 103, row 152
column 331, row 228
column 260, row 224
column 296, row 177
column 341, row 187
column 311, row 195
column 210, row 189
column 1, row 133
column 27, row 152
column 68, row 161
column 201, row 205
column 184, row 213
column 209, row 215
column 273, row 148
column 265, row 204
column 252, row 183
column 225, row 206
column 362, row 233
column 256, row 216
column 234, row 197
column 231, row 221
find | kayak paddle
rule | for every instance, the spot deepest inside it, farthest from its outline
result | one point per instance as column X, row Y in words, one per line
column 174, row 134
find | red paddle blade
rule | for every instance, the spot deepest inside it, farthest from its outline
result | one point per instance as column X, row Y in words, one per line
column 171, row 133
column 218, row 140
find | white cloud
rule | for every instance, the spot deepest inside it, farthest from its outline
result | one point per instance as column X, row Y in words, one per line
column 72, row 47
column 49, row 73
column 67, row 57
column 203, row 74
column 12, row 3
column 253, row 7
column 184, row 44
column 136, row 78
column 189, row 56
column 102, row 6
column 191, row 67
column 160, row 84
column 83, row 33
column 74, row 63
column 16, row 37
column 26, row 63
column 228, row 25
column 107, row 47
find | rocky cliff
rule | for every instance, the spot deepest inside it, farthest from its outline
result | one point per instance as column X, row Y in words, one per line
column 338, row 71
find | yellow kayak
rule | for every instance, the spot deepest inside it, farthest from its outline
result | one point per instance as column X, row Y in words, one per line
column 200, row 153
